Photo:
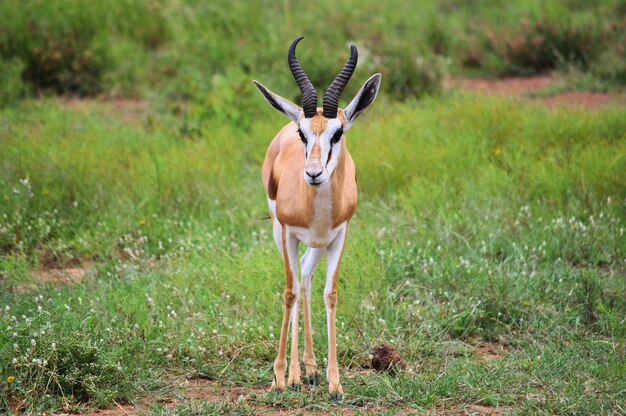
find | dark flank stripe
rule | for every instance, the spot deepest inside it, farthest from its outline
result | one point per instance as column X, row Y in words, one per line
column 272, row 187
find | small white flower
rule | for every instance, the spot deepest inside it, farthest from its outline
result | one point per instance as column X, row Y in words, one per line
column 33, row 343
column 15, row 361
column 54, row 346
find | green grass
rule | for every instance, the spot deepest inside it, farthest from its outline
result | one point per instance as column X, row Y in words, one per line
column 484, row 224
column 481, row 221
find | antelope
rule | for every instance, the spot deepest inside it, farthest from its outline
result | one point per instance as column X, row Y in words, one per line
column 311, row 186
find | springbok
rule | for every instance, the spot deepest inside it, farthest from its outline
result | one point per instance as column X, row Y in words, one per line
column 311, row 187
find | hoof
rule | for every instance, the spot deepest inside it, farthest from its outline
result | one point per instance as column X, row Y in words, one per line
column 336, row 397
column 294, row 387
column 277, row 391
column 313, row 380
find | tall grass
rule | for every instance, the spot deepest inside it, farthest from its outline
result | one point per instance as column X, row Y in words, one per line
column 76, row 164
column 480, row 219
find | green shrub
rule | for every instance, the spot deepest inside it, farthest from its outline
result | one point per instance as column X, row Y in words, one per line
column 409, row 74
column 12, row 88
column 611, row 63
column 65, row 64
column 65, row 45
column 541, row 44
column 71, row 367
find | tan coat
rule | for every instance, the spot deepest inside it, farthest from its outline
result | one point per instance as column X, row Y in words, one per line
column 283, row 173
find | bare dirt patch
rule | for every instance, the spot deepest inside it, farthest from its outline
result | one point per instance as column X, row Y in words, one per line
column 469, row 410
column 534, row 88
column 584, row 99
column 477, row 349
column 477, row 409
column 488, row 351
column 212, row 392
column 47, row 276
column 55, row 268
column 126, row 109
column 198, row 391
column 503, row 86
column 70, row 275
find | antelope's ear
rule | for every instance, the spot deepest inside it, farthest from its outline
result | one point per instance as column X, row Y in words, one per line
column 363, row 99
column 283, row 105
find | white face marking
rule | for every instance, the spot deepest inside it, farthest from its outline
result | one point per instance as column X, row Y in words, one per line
column 321, row 168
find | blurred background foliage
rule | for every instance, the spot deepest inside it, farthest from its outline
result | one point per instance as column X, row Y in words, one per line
column 180, row 49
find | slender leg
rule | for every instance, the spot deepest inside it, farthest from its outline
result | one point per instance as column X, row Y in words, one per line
column 293, row 381
column 277, row 231
column 291, row 295
column 334, row 250
column 308, row 263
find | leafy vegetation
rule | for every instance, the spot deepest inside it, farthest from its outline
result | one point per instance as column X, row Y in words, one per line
column 186, row 47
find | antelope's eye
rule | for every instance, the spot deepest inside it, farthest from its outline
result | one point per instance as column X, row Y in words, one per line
column 302, row 136
column 336, row 136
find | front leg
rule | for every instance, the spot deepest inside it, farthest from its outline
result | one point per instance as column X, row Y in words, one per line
column 334, row 250
column 290, row 310
column 308, row 263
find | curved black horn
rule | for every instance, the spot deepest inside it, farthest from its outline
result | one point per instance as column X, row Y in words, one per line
column 330, row 103
column 309, row 95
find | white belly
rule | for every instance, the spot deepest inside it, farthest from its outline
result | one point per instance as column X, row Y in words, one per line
column 315, row 238
column 319, row 235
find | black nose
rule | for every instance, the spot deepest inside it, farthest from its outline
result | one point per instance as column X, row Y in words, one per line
column 314, row 175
